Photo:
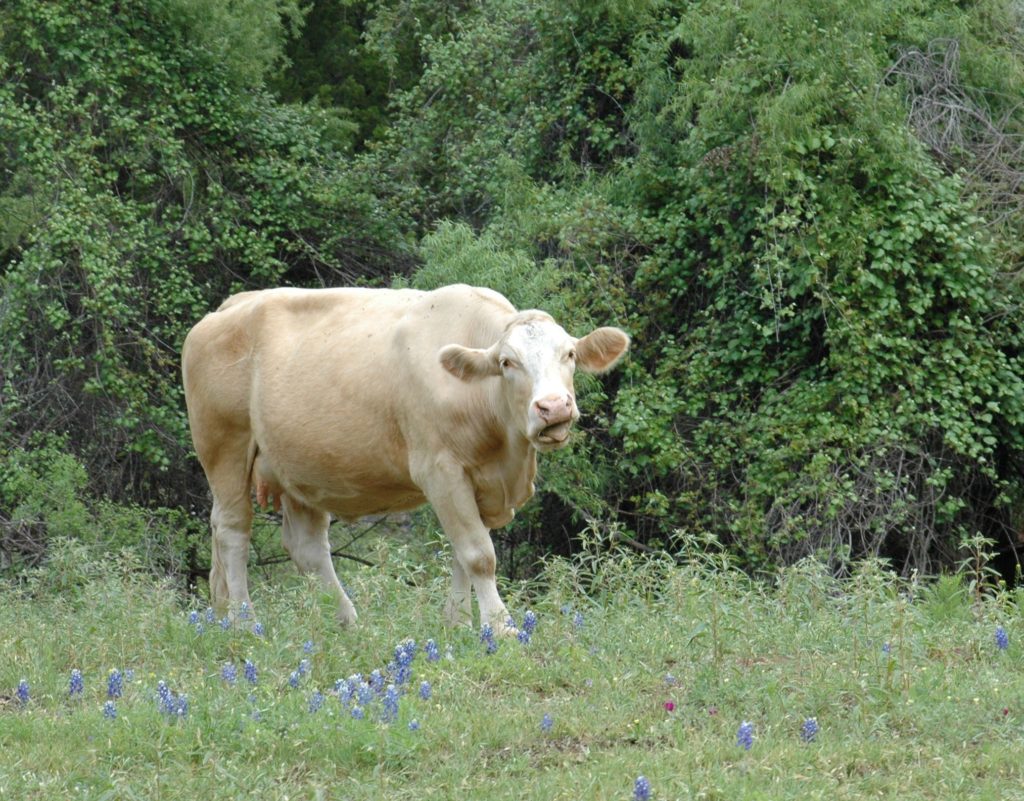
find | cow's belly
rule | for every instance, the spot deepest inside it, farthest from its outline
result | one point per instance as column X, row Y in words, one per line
column 351, row 505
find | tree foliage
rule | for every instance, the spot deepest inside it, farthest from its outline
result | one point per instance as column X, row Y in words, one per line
column 807, row 214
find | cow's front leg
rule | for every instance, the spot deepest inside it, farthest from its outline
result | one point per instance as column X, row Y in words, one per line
column 450, row 492
column 458, row 610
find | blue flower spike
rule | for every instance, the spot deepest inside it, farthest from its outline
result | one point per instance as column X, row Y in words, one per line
column 745, row 735
column 641, row 789
column 76, row 685
column 1002, row 638
column 809, row 730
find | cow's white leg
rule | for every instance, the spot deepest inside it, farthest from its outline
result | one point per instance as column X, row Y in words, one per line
column 458, row 610
column 304, row 536
column 446, row 486
column 229, row 585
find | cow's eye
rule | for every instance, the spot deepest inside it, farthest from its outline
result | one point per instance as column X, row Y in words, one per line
column 507, row 364
column 571, row 356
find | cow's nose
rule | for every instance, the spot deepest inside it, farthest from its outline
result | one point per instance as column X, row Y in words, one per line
column 554, row 407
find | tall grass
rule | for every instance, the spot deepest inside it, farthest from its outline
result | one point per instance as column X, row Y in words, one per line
column 642, row 667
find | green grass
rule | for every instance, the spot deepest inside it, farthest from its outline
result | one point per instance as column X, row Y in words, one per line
column 941, row 716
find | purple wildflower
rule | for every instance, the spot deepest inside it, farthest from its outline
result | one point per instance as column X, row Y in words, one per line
column 389, row 711
column 357, row 713
column 641, row 789
column 414, row 725
column 229, row 673
column 745, row 735
column 487, row 638
column 433, row 654
column 75, row 685
column 809, row 730
column 115, row 684
column 546, row 723
column 1002, row 638
column 577, row 620
column 293, row 679
column 250, row 672
column 109, row 710
column 316, row 700
column 308, row 646
column 425, row 690
column 23, row 692
column 304, row 667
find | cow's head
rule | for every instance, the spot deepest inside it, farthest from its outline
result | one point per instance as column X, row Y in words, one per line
column 536, row 359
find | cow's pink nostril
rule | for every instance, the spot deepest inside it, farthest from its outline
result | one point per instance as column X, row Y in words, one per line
column 554, row 406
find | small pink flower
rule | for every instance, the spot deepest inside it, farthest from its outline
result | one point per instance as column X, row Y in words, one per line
column 670, row 706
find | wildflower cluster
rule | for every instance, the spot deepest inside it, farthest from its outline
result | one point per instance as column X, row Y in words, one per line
column 1002, row 638
column 171, row 704
column 809, row 730
column 381, row 692
column 641, row 789
column 527, row 629
column 487, row 638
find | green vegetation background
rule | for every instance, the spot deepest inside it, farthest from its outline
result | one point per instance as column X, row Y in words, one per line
column 807, row 213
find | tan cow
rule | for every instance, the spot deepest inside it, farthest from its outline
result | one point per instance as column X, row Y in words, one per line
column 362, row 401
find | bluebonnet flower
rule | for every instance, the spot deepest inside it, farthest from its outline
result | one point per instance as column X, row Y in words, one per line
column 405, row 652
column 243, row 611
column 293, row 679
column 414, row 725
column 249, row 669
column 1002, row 638
column 641, row 789
column 389, row 704
column 565, row 609
column 546, row 723
column 257, row 629
column 433, row 654
column 304, row 666
column 115, row 684
column 377, row 682
column 109, row 710
column 670, row 680
column 745, row 735
column 171, row 704
column 345, row 690
column 308, row 646
column 577, row 620
column 129, row 675
column 209, row 614
column 357, row 713
column 887, row 648
column 487, row 638
column 229, row 673
column 425, row 690
column 809, row 730
column 225, row 623
column 75, row 685
column 529, row 622
column 23, row 691
column 193, row 617
column 316, row 700
column 364, row 693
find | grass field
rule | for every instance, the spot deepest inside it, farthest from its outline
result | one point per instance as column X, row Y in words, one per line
column 635, row 668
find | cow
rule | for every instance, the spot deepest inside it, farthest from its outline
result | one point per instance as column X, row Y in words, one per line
column 356, row 401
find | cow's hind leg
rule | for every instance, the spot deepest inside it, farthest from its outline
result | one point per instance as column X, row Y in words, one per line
column 304, row 536
column 231, row 522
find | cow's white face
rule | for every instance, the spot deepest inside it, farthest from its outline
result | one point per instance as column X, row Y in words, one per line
column 535, row 360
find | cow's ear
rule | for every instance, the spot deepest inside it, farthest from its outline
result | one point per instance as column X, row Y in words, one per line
column 601, row 349
column 469, row 364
